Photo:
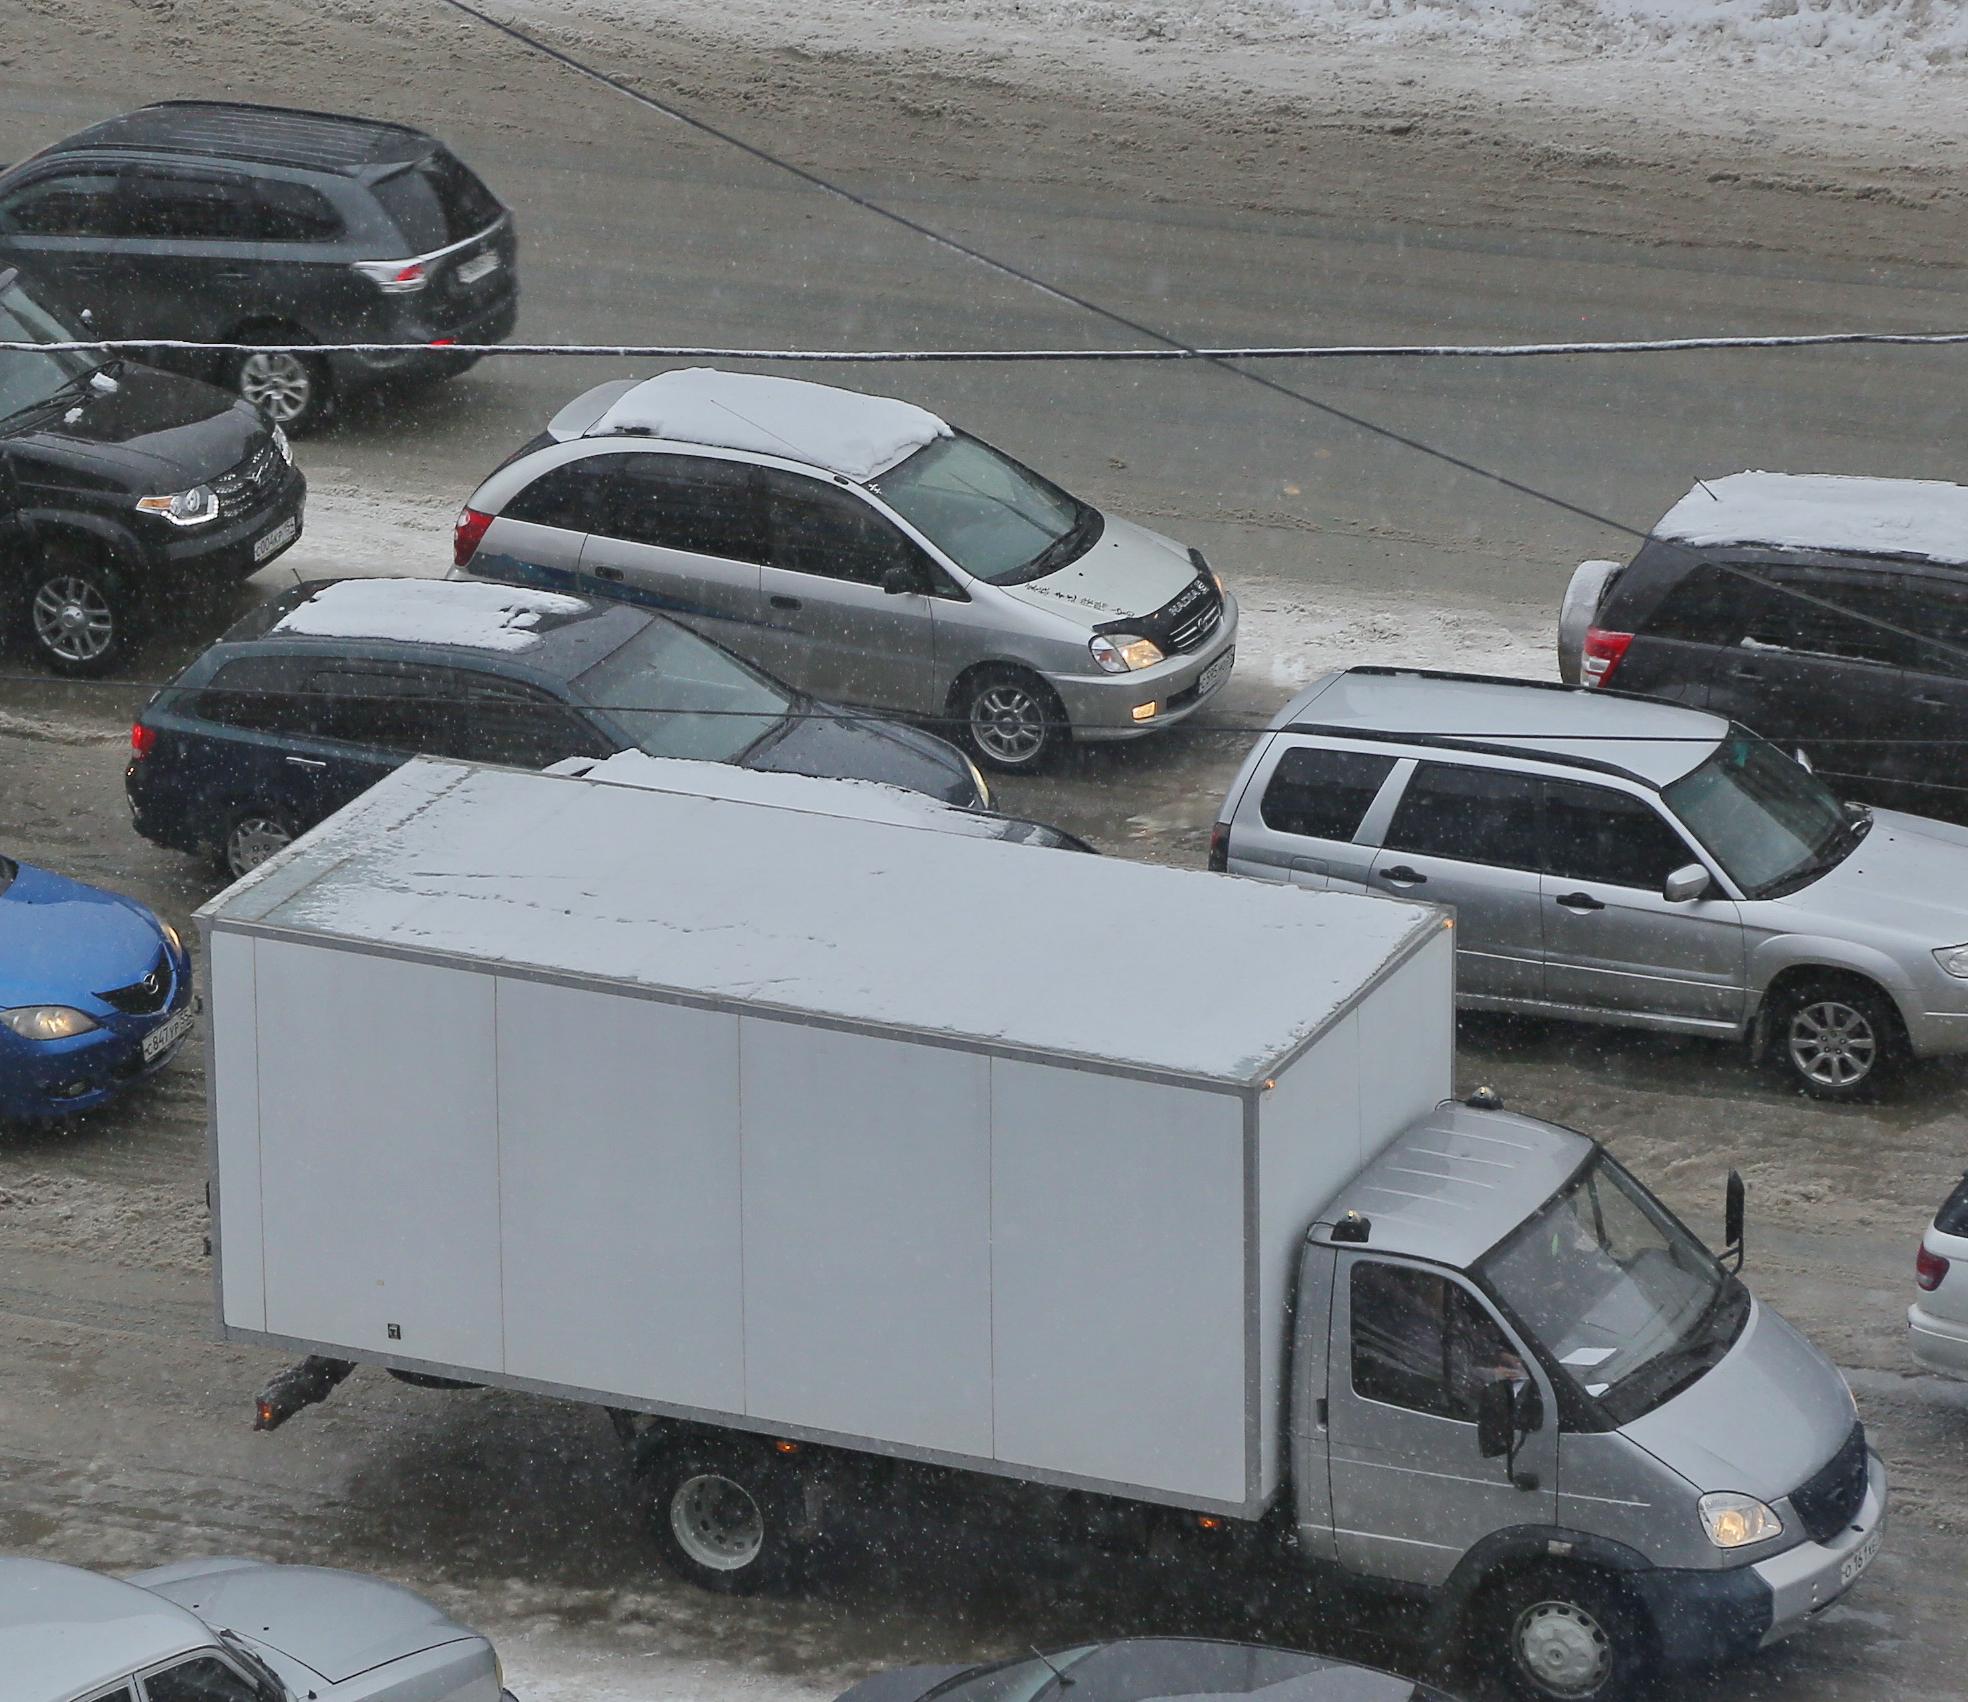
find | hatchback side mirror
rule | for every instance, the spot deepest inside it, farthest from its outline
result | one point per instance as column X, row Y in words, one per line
column 1686, row 885
column 899, row 581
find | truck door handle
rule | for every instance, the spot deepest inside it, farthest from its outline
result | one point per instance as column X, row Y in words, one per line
column 1402, row 875
column 1580, row 901
column 779, row 602
column 609, row 573
column 307, row 762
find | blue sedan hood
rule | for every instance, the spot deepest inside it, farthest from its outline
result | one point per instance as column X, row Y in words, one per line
column 61, row 940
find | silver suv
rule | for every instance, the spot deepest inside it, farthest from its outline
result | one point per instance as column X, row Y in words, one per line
column 865, row 551
column 1620, row 859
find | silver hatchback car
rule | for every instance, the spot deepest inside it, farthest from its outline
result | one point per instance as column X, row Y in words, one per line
column 865, row 551
column 1620, row 859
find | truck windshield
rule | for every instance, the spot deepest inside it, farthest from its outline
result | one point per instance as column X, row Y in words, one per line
column 1767, row 820
column 1621, row 1296
column 995, row 519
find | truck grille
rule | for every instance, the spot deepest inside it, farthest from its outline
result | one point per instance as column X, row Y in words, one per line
column 143, row 997
column 246, row 486
column 1193, row 616
column 1830, row 1500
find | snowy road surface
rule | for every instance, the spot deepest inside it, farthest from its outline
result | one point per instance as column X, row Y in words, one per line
column 1170, row 160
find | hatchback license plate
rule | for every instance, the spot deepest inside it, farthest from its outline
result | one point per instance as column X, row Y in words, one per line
column 1858, row 1560
column 281, row 534
column 166, row 1035
column 483, row 266
column 1215, row 674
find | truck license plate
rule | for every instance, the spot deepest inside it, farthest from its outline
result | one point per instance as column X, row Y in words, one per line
column 1858, row 1560
column 166, row 1035
column 281, row 534
column 1215, row 674
column 481, row 267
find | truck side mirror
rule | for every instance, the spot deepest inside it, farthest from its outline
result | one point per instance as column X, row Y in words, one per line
column 1686, row 885
column 1732, row 1221
column 1496, row 1420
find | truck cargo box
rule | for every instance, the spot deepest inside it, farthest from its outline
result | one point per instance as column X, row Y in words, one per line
column 840, row 1130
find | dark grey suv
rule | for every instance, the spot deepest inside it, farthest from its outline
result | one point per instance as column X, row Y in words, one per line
column 208, row 221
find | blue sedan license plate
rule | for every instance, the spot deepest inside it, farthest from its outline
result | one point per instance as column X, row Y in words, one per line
column 166, row 1035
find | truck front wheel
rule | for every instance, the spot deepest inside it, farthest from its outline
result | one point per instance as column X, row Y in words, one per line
column 729, row 1521
column 1568, row 1634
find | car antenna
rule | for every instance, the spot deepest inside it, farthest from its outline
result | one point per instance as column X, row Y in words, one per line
column 1712, row 497
column 1057, row 1672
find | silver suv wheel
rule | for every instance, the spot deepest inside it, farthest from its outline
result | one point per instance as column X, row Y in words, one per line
column 1832, row 1043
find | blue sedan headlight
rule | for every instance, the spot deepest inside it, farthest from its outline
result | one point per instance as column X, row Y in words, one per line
column 47, row 1022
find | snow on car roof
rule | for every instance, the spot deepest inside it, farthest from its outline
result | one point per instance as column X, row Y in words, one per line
column 64, row 1631
column 829, row 915
column 1923, row 518
column 843, row 431
column 476, row 614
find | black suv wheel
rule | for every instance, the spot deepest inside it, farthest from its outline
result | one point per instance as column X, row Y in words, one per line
column 76, row 611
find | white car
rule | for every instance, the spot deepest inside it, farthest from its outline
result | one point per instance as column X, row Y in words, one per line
column 231, row 1631
column 1938, row 1320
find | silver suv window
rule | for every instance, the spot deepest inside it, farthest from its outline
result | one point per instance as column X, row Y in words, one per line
column 1471, row 815
column 1323, row 794
column 1593, row 833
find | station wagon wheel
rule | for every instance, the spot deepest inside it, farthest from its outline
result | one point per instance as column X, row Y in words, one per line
column 77, row 613
column 255, row 835
column 1010, row 719
column 1836, row 1039
column 729, row 1519
column 292, row 390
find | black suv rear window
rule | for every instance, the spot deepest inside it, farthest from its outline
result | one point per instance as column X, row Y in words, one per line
column 1323, row 794
column 436, row 202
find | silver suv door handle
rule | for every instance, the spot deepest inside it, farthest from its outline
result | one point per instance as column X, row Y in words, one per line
column 1402, row 875
column 307, row 762
column 1579, row 901
column 610, row 573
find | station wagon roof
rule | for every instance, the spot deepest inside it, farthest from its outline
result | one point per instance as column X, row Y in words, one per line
column 843, row 431
column 1641, row 737
column 1918, row 519
column 65, row 1632
column 267, row 135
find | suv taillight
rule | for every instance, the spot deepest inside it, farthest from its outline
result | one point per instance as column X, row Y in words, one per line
column 1603, row 653
column 1219, row 851
column 394, row 277
column 1928, row 1269
column 466, row 534
column 143, row 740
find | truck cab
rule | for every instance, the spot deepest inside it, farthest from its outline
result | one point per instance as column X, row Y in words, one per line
column 1522, row 1384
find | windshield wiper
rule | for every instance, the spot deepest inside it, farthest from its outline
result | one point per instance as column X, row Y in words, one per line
column 1064, row 548
column 265, row 1675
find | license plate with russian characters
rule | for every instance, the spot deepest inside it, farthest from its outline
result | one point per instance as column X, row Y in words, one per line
column 281, row 534
column 482, row 266
column 1858, row 1560
column 1215, row 674
column 166, row 1035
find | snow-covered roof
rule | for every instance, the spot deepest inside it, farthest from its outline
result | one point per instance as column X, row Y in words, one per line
column 791, row 910
column 477, row 614
column 843, row 431
column 1923, row 518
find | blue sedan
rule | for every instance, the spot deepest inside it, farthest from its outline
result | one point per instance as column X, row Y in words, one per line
column 95, row 993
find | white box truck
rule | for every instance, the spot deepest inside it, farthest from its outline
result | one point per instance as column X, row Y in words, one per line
column 839, row 1157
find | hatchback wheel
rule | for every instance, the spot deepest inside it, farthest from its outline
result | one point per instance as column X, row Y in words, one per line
column 1011, row 720
column 292, row 390
column 1836, row 1039
column 78, row 614
column 255, row 835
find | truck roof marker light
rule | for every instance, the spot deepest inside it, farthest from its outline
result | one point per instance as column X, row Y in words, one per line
column 782, row 1446
column 1208, row 1522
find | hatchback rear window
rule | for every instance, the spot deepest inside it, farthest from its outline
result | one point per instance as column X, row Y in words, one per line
column 1952, row 1218
column 1323, row 794
column 436, row 202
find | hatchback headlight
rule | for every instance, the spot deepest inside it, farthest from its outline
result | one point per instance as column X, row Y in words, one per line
column 1954, row 959
column 195, row 507
column 1124, row 652
column 47, row 1022
column 171, row 937
column 1736, row 1521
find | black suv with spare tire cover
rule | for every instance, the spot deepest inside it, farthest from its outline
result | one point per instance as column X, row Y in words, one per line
column 121, row 485
column 217, row 222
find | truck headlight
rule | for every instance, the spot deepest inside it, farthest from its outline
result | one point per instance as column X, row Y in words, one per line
column 195, row 507
column 47, row 1022
column 1954, row 959
column 1736, row 1521
column 1124, row 652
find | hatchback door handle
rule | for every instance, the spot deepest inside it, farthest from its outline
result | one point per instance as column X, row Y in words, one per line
column 611, row 573
column 1580, row 901
column 1931, row 702
column 1402, row 875
column 1745, row 673
column 307, row 762
column 787, row 603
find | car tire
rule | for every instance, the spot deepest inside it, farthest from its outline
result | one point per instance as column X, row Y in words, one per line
column 253, row 835
column 1568, row 1634
column 731, row 1520
column 76, row 611
column 1837, row 1038
column 294, row 391
column 1010, row 719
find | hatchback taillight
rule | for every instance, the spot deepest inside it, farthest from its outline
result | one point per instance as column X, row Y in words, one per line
column 1219, row 851
column 1604, row 651
column 1928, row 1269
column 466, row 534
column 143, row 740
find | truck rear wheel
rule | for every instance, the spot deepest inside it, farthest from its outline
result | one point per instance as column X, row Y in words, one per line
column 1568, row 1634
column 729, row 1521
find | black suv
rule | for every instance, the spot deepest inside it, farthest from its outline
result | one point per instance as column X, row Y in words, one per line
column 221, row 223
column 1828, row 613
column 120, row 487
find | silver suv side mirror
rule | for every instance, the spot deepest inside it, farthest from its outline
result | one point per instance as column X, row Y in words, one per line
column 1686, row 885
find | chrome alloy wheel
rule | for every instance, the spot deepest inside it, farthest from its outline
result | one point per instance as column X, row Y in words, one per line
column 1563, row 1648
column 72, row 619
column 280, row 385
column 717, row 1523
column 1832, row 1043
column 1008, row 721
column 255, row 838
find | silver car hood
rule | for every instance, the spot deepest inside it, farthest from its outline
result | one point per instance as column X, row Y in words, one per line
column 1130, row 571
column 1762, row 1420
column 335, row 1624
column 1908, row 875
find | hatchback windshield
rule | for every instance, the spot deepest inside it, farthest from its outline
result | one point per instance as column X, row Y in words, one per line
column 1766, row 819
column 995, row 519
column 29, row 378
column 1623, row 1297
column 677, row 695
